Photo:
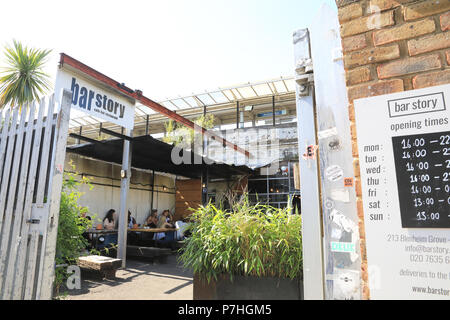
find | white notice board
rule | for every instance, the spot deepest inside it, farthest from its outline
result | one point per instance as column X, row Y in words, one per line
column 404, row 153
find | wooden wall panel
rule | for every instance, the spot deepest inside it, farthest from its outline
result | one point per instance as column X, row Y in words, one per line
column 188, row 195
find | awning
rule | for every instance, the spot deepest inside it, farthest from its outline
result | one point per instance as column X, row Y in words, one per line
column 152, row 154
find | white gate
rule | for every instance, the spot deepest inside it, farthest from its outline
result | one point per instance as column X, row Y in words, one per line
column 32, row 151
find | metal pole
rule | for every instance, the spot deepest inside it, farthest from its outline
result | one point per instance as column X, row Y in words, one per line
column 81, row 132
column 146, row 125
column 124, row 188
column 237, row 115
column 153, row 187
column 273, row 110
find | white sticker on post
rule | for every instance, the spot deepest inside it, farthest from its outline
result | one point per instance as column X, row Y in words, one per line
column 342, row 195
column 334, row 173
column 327, row 133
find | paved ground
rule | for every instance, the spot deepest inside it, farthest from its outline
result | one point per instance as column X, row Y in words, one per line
column 141, row 280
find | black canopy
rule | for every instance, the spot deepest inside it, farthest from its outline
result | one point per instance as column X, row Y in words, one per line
column 151, row 154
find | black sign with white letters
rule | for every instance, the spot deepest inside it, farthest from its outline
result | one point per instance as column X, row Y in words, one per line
column 423, row 176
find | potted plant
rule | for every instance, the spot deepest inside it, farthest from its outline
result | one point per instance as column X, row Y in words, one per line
column 251, row 252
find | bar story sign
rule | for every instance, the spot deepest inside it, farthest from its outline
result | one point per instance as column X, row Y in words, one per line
column 404, row 146
column 94, row 98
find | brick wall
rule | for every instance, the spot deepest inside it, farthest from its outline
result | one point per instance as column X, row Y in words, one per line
column 391, row 46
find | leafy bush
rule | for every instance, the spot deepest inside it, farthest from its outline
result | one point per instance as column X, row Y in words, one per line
column 72, row 224
column 252, row 240
column 182, row 136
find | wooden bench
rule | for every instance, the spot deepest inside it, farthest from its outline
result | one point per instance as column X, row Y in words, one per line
column 148, row 252
column 105, row 265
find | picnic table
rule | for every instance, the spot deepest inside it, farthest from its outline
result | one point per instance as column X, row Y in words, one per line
column 149, row 251
column 139, row 250
column 95, row 234
column 157, row 230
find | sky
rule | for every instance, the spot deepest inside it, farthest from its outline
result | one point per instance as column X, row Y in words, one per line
column 165, row 48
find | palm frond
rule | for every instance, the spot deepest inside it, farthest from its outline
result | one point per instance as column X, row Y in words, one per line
column 23, row 79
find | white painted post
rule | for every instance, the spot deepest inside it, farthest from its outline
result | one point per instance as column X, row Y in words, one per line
column 313, row 275
column 124, row 188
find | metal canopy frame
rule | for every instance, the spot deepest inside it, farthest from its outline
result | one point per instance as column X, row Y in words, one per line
column 244, row 93
column 136, row 95
column 233, row 94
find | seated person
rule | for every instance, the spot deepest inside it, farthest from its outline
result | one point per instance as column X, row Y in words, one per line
column 108, row 222
column 165, row 220
column 182, row 227
column 152, row 219
column 131, row 220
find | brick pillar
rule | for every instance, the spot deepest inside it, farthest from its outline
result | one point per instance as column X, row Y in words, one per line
column 391, row 46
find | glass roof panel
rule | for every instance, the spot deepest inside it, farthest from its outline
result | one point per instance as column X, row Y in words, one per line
column 90, row 120
column 139, row 112
column 219, row 97
column 81, row 121
column 206, row 99
column 237, row 94
column 194, row 103
column 281, row 88
column 262, row 89
column 247, row 92
column 228, row 94
column 169, row 105
column 180, row 104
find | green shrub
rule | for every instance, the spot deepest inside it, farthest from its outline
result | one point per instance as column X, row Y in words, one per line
column 252, row 240
column 182, row 136
column 70, row 243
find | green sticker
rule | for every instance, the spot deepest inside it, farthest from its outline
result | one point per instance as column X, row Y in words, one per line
column 342, row 247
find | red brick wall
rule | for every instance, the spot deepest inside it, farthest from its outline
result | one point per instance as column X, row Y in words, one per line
column 391, row 46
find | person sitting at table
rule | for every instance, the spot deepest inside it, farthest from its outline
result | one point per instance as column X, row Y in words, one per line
column 164, row 220
column 109, row 222
column 182, row 227
column 131, row 220
column 152, row 219
column 163, row 223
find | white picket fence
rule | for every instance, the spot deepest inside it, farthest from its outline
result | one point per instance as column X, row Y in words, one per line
column 32, row 150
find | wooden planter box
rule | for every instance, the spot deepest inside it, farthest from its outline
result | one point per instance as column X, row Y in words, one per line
column 248, row 288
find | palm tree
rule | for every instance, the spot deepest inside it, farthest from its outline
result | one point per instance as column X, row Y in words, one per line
column 23, row 80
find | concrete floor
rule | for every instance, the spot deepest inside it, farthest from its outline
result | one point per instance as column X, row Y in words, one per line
column 141, row 280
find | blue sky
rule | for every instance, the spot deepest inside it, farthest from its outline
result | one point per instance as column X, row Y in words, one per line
column 166, row 48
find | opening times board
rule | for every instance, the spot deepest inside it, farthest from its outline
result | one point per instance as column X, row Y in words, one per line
column 422, row 165
column 404, row 157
